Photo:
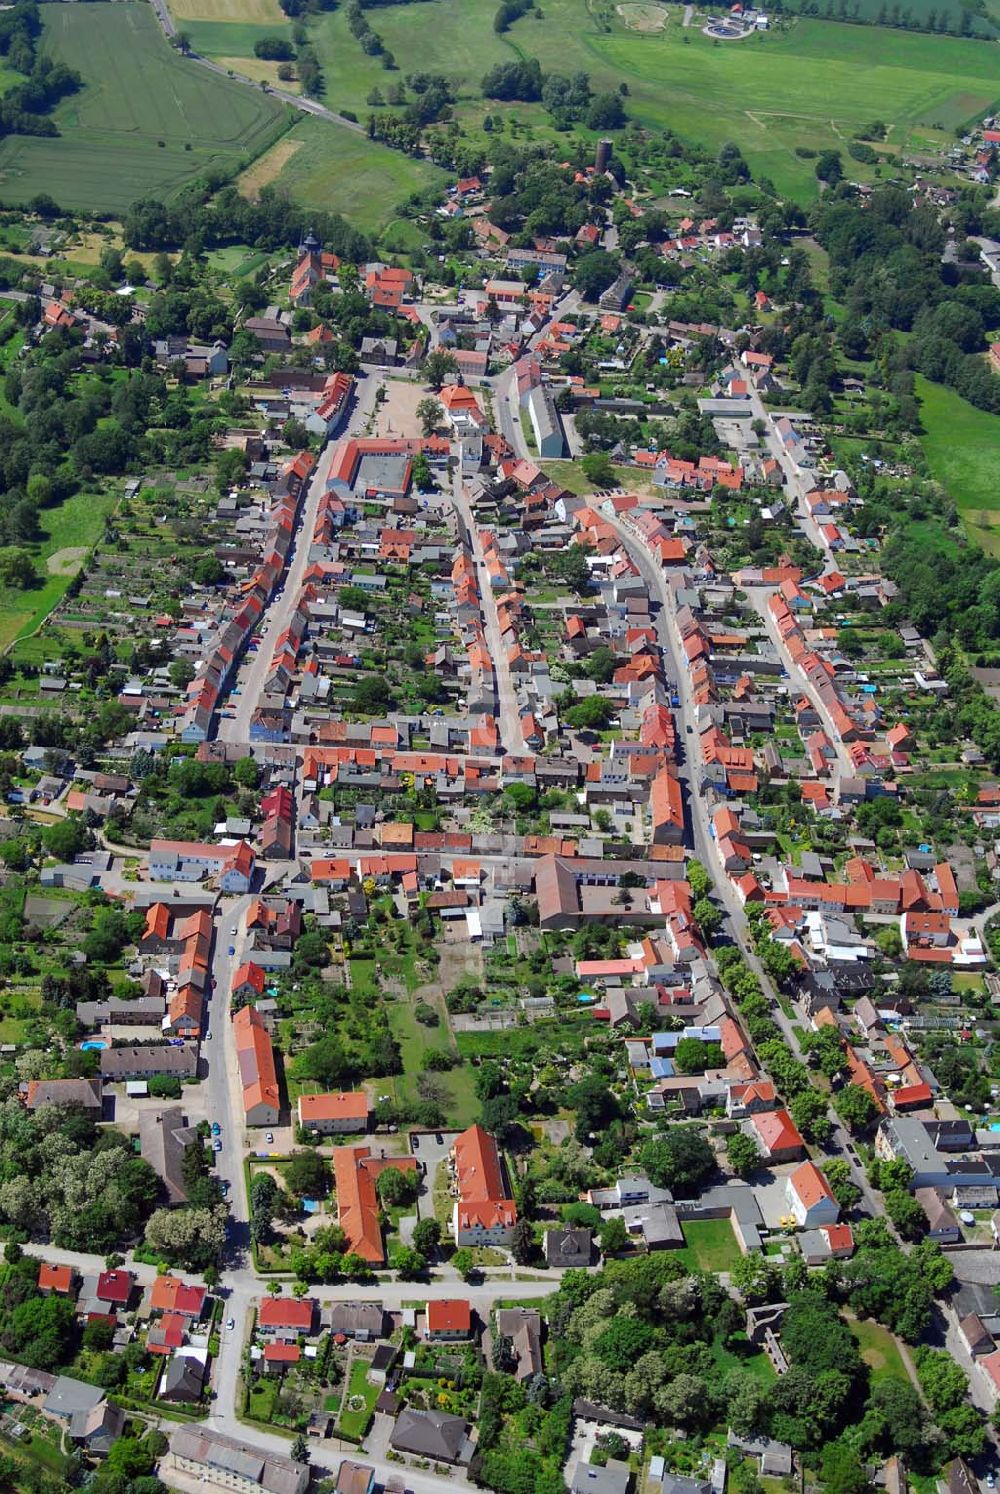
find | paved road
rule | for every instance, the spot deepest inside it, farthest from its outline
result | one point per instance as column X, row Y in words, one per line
column 798, row 480
column 760, row 596
column 700, row 837
column 253, row 672
column 508, row 413
column 508, row 707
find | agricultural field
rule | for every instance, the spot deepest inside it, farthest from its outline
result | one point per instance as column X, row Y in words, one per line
column 330, row 166
column 811, row 85
column 145, row 123
column 962, row 447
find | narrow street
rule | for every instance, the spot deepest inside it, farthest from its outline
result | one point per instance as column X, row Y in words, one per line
column 508, row 709
column 255, row 668
column 700, row 834
column 760, row 596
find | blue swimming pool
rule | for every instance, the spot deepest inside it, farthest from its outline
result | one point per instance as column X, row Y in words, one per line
column 94, row 1045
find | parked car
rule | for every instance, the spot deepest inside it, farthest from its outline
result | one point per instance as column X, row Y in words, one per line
column 216, row 1129
column 217, row 1145
column 269, row 1138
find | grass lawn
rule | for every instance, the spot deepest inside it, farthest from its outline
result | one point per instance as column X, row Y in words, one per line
column 69, row 530
column 415, row 1039
column 327, row 165
column 571, row 475
column 711, row 1245
column 758, row 1365
column 879, row 1350
column 356, row 1423
column 962, row 446
column 145, row 123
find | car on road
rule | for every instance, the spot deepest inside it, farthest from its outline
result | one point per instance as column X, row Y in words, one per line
column 234, row 930
column 231, row 1324
column 232, row 949
column 208, row 1036
column 269, row 1138
column 689, row 729
column 217, row 1145
column 439, row 1138
column 216, row 1129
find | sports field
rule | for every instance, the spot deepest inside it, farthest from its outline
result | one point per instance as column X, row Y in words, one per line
column 336, row 168
column 962, row 447
column 145, row 123
column 812, row 85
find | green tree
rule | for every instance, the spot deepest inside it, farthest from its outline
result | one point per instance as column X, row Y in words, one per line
column 308, row 1174
column 598, row 469
column 429, row 412
column 842, row 1470
column 742, row 1154
column 707, row 916
column 408, row 1263
column 808, row 1111
column 613, row 1236
column 464, row 1262
column 17, row 569
column 856, row 1108
column 426, row 1236
column 678, row 1160
column 906, row 1214
column 439, row 367
column 838, row 1174
column 522, row 1243
column 396, row 1187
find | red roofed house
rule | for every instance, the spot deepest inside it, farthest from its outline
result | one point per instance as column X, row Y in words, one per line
column 170, row 1294
column 255, row 1054
column 114, row 1287
column 449, row 1318
column 355, row 1174
column 277, row 1356
column 286, row 1317
column 335, row 1113
column 248, row 981
column 484, row 1211
column 57, row 1280
column 777, row 1136
column 810, row 1197
column 989, row 1368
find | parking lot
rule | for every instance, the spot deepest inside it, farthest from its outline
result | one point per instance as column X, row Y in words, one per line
column 430, row 1148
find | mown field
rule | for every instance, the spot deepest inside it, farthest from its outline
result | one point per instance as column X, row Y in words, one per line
column 327, row 165
column 68, row 533
column 962, row 447
column 812, row 85
column 145, row 123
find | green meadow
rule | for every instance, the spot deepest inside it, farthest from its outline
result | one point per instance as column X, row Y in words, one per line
column 145, row 123
column 812, row 85
column 962, row 447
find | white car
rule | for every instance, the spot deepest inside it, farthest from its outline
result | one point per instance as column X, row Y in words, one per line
column 269, row 1138
column 231, row 1324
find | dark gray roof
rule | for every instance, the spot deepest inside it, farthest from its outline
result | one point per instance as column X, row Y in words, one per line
column 68, row 1396
column 430, row 1434
column 614, row 1478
